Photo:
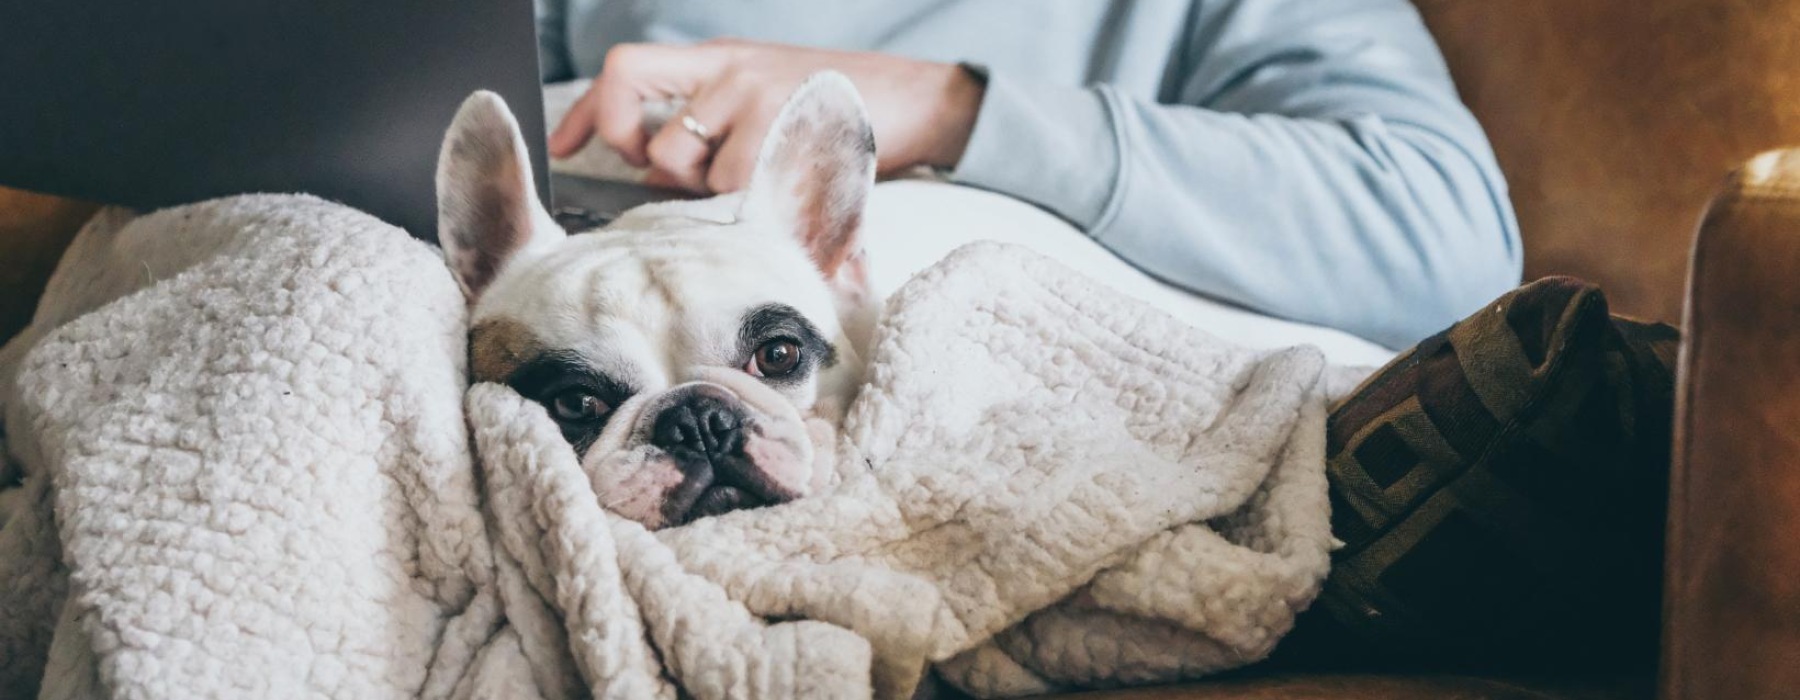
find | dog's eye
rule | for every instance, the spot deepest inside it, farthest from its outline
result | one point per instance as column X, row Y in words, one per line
column 776, row 358
column 578, row 406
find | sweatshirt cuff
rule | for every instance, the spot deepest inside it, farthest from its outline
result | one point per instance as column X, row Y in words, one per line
column 1051, row 145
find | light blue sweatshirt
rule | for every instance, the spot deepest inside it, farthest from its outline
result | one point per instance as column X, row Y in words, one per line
column 1308, row 159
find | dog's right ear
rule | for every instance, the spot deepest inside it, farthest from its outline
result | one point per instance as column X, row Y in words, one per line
column 488, row 208
column 814, row 174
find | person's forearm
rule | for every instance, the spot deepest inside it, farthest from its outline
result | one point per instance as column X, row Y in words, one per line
column 1387, row 231
column 1050, row 145
column 1309, row 159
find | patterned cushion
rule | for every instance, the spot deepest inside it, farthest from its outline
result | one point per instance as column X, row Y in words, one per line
column 1500, row 490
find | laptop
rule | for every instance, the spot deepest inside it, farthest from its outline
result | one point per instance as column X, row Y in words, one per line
column 154, row 104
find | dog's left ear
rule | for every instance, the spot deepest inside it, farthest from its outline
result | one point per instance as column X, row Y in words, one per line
column 814, row 174
column 488, row 208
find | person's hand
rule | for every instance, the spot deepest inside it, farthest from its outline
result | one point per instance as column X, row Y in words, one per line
column 922, row 112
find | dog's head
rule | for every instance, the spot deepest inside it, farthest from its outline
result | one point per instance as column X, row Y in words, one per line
column 688, row 350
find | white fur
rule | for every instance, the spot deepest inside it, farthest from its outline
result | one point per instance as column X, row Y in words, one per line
column 657, row 296
column 488, row 209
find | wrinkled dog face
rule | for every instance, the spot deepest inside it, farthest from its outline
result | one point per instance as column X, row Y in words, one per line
column 689, row 350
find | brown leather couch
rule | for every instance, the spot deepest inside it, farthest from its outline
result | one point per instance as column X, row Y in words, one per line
column 1616, row 122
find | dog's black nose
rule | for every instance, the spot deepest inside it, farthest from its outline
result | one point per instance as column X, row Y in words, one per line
column 700, row 423
column 704, row 433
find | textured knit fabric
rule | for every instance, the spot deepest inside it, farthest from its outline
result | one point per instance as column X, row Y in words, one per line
column 256, row 463
column 249, row 465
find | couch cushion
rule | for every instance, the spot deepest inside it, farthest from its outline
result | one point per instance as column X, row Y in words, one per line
column 1615, row 120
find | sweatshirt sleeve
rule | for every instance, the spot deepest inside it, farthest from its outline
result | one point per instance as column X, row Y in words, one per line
column 1310, row 160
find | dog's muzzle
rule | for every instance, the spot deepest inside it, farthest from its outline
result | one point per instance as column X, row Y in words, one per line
column 704, row 431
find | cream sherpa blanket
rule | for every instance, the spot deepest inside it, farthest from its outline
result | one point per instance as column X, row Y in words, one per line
column 253, row 477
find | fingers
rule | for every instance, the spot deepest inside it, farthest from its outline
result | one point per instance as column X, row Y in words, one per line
column 735, row 159
column 658, row 178
column 618, row 111
column 577, row 126
column 682, row 156
column 613, row 106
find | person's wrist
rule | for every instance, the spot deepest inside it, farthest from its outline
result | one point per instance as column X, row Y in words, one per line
column 954, row 121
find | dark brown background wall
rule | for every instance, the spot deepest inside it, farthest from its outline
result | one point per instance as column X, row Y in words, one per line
column 1615, row 120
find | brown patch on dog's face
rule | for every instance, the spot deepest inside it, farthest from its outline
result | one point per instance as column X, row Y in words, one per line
column 499, row 346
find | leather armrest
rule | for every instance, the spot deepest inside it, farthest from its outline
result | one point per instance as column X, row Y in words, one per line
column 1732, row 596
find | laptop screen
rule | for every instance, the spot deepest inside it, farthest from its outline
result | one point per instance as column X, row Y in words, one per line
column 151, row 104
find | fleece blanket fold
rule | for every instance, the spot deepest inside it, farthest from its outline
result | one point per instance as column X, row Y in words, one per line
column 257, row 463
column 260, row 475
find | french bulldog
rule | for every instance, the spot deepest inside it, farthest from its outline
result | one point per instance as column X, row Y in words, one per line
column 697, row 355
